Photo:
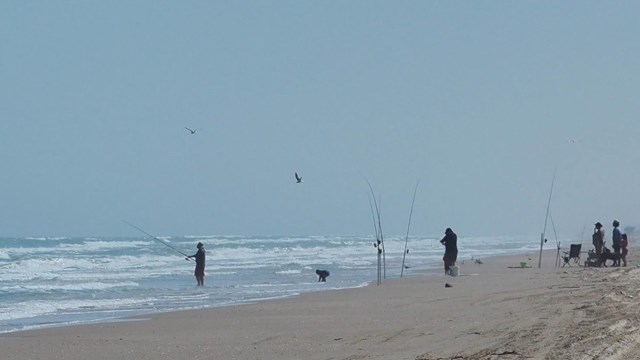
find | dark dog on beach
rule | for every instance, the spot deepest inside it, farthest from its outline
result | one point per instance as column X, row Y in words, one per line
column 322, row 275
column 608, row 255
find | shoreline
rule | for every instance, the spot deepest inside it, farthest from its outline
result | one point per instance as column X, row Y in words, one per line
column 492, row 309
column 116, row 315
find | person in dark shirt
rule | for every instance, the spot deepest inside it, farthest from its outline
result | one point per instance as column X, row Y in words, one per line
column 200, row 260
column 322, row 275
column 598, row 241
column 616, row 236
column 450, row 242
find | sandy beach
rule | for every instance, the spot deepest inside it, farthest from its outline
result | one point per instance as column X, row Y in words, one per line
column 493, row 310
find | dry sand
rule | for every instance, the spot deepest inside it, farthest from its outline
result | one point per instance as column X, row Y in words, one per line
column 492, row 311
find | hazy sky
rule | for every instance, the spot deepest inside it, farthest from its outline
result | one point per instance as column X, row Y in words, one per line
column 479, row 100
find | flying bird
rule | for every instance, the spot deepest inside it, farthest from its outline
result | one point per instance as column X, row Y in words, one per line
column 191, row 130
column 298, row 178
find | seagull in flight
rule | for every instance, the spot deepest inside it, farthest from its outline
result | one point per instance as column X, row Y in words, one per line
column 298, row 178
column 191, row 130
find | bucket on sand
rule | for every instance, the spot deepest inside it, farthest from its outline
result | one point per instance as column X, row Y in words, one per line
column 523, row 264
column 454, row 270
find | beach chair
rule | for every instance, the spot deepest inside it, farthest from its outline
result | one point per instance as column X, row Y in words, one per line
column 572, row 256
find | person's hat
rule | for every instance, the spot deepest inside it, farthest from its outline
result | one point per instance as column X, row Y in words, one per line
column 200, row 245
column 598, row 225
column 616, row 223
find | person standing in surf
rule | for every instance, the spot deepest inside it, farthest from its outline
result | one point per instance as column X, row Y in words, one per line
column 450, row 242
column 200, row 260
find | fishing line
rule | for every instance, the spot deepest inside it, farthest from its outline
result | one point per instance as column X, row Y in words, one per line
column 549, row 203
column 373, row 216
column 155, row 238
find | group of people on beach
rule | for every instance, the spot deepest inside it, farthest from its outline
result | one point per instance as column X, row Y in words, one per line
column 620, row 245
column 450, row 242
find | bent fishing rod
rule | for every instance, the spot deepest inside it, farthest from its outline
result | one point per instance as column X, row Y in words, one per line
column 156, row 239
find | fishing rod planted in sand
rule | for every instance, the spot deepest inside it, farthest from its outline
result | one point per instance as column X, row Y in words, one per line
column 377, row 244
column 381, row 240
column 546, row 218
column 553, row 225
column 156, row 239
column 406, row 239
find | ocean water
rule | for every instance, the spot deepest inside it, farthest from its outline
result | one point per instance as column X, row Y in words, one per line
column 62, row 281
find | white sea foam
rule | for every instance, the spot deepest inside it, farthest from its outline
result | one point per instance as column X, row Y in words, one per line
column 85, row 279
column 76, row 286
column 289, row 272
column 33, row 308
column 95, row 245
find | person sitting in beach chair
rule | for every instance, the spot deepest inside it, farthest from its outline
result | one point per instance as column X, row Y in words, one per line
column 593, row 259
column 573, row 256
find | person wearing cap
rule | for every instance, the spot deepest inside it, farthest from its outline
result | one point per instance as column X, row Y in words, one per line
column 616, row 236
column 598, row 241
column 200, row 260
column 450, row 242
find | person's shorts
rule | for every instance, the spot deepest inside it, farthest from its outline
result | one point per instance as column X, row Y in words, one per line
column 199, row 271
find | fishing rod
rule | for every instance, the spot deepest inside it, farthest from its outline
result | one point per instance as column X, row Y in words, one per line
column 384, row 261
column 377, row 243
column 373, row 216
column 553, row 224
column 542, row 239
column 406, row 239
column 156, row 239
